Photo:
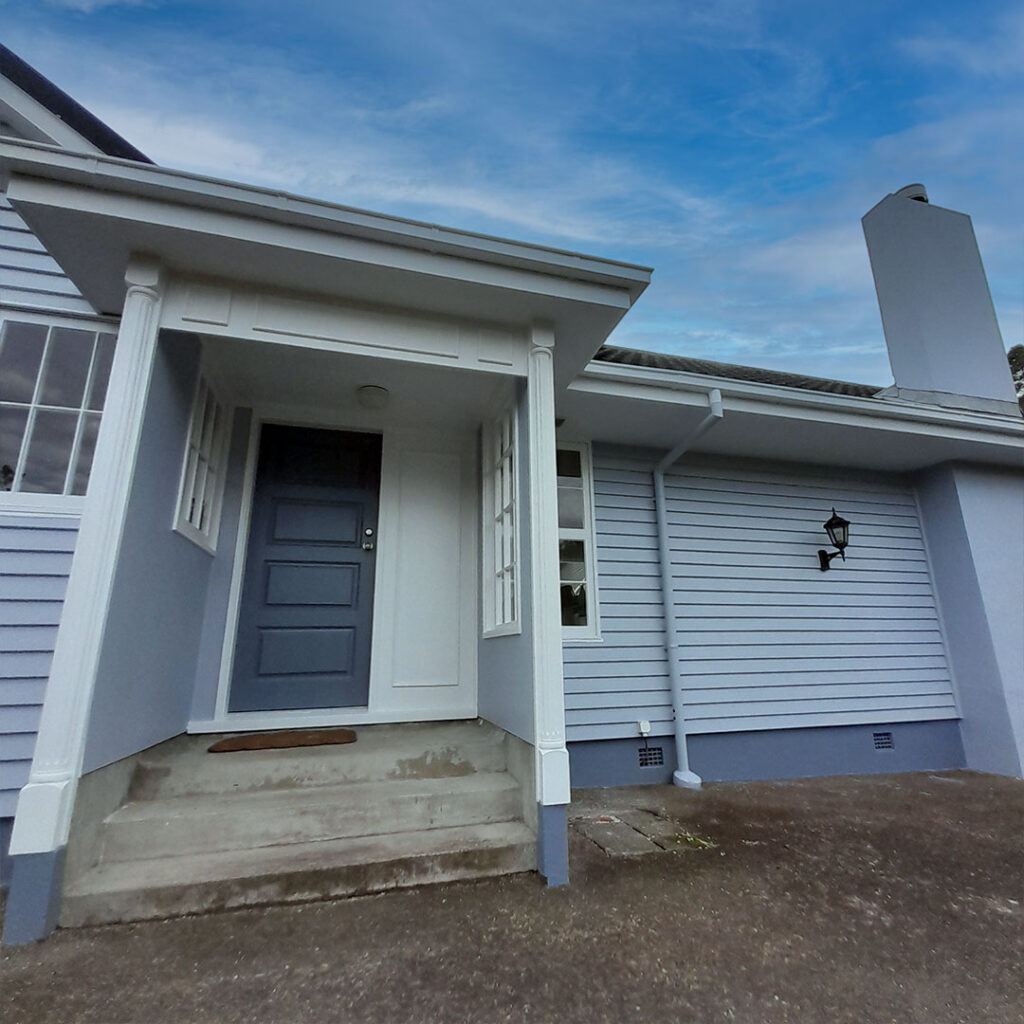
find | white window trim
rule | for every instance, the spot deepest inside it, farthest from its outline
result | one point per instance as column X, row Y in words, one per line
column 513, row 626
column 205, row 539
column 590, row 633
column 64, row 503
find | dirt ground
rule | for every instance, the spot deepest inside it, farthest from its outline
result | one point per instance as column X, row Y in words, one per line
column 868, row 899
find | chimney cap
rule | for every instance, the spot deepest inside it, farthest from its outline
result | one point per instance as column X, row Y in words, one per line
column 916, row 191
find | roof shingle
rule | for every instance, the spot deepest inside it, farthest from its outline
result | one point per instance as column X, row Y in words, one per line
column 753, row 374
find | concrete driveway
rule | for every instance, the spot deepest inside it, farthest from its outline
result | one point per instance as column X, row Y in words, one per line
column 867, row 899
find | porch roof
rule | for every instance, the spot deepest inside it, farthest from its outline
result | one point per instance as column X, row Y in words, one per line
column 93, row 212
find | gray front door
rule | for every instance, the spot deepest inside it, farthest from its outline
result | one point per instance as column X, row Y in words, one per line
column 307, row 595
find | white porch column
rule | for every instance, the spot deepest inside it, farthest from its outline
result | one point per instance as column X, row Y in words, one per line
column 548, row 687
column 44, row 807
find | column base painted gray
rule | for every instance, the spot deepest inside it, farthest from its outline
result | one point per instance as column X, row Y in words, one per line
column 553, row 843
column 774, row 754
column 6, row 826
column 33, row 904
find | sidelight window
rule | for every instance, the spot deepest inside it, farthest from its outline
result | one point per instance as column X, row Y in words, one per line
column 202, row 476
column 500, row 527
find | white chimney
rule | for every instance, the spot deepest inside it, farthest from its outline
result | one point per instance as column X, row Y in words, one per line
column 940, row 326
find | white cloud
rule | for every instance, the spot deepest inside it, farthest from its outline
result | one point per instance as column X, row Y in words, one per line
column 829, row 258
column 90, row 6
column 998, row 53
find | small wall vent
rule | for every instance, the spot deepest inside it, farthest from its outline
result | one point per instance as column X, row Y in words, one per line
column 883, row 741
column 651, row 757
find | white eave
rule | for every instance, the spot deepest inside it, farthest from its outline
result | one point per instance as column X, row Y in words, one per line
column 93, row 212
column 652, row 408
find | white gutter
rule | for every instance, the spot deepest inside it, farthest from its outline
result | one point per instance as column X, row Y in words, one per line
column 682, row 776
column 602, row 376
column 130, row 178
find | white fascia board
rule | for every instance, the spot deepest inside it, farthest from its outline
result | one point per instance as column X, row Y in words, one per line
column 30, row 117
column 219, row 226
column 653, row 384
column 129, row 178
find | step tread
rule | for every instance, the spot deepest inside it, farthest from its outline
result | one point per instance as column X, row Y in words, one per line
column 374, row 739
column 304, row 797
column 183, row 766
column 295, row 858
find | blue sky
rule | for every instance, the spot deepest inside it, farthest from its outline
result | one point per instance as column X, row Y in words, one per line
column 733, row 145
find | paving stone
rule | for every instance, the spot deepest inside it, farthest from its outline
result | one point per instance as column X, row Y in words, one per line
column 615, row 837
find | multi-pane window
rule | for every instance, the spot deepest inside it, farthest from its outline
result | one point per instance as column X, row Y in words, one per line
column 53, row 382
column 202, row 481
column 577, row 583
column 501, row 548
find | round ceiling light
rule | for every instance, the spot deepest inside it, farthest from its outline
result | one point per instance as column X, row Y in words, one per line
column 373, row 396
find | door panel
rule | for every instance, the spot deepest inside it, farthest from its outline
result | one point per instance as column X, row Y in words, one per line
column 307, row 596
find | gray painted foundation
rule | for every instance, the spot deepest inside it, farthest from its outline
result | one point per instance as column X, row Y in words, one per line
column 33, row 905
column 553, row 843
column 6, row 825
column 775, row 754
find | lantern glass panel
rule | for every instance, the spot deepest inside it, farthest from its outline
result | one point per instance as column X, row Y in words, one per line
column 838, row 530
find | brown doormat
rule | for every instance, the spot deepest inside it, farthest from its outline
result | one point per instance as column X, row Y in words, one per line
column 282, row 740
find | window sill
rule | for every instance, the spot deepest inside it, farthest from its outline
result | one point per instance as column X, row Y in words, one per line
column 70, row 505
column 195, row 537
column 509, row 629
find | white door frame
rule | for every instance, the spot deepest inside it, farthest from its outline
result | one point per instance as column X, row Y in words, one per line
column 384, row 601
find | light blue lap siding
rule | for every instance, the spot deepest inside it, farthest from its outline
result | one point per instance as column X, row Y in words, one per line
column 29, row 276
column 35, row 558
column 768, row 641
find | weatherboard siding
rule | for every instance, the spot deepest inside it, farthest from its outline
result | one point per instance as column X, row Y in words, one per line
column 35, row 558
column 768, row 641
column 29, row 276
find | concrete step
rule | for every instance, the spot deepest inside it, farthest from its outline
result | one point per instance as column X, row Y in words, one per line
column 182, row 766
column 172, row 886
column 234, row 821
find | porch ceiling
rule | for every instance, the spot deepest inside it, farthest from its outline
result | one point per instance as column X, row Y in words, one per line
column 93, row 213
column 321, row 385
column 786, row 425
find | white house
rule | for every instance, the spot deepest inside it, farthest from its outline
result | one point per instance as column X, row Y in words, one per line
column 271, row 463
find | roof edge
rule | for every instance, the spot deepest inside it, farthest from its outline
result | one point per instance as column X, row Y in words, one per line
column 33, row 160
column 70, row 111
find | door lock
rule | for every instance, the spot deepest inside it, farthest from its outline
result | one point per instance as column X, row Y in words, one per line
column 368, row 541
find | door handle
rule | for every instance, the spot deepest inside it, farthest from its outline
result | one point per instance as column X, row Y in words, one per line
column 368, row 539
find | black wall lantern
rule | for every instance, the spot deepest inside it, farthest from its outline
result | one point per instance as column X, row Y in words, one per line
column 838, row 530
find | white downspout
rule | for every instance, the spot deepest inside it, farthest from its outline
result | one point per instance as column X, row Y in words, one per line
column 682, row 776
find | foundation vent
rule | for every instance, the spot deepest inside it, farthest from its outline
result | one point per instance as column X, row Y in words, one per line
column 883, row 741
column 651, row 757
